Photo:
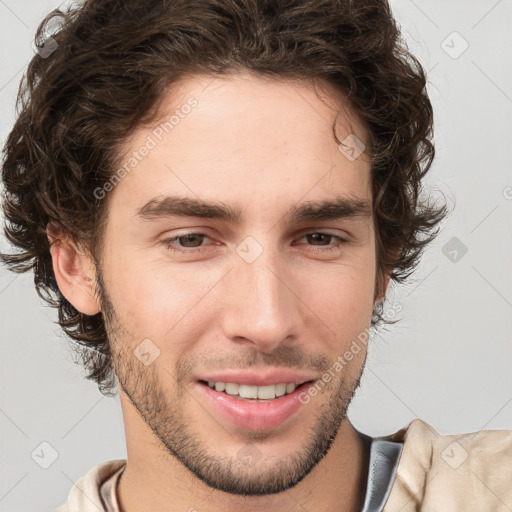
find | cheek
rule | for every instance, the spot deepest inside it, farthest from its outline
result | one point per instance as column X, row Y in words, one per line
column 162, row 303
column 344, row 291
column 348, row 311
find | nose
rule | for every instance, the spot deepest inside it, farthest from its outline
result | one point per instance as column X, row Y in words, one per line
column 262, row 306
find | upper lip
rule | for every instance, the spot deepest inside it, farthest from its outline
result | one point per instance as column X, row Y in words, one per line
column 258, row 377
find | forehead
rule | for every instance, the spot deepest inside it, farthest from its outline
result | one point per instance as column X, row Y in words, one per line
column 245, row 137
column 246, row 100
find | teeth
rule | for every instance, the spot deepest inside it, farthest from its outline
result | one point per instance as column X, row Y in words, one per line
column 265, row 392
column 253, row 392
column 219, row 386
column 232, row 389
column 280, row 389
column 246, row 391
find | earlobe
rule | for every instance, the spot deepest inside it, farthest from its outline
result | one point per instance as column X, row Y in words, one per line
column 382, row 288
column 74, row 272
column 386, row 280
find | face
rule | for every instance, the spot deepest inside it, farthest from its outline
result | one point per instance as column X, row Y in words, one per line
column 268, row 287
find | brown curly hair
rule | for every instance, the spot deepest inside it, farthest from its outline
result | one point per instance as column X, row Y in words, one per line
column 104, row 69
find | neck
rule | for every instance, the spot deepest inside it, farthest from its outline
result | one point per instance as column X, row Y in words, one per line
column 152, row 480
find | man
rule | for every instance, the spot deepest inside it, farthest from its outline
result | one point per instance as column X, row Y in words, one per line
column 216, row 195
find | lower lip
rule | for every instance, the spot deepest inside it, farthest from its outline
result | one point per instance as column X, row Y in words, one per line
column 253, row 415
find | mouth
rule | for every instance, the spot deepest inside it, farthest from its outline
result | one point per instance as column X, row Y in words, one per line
column 254, row 393
column 253, row 408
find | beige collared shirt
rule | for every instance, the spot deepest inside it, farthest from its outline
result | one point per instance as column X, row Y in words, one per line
column 435, row 473
column 452, row 473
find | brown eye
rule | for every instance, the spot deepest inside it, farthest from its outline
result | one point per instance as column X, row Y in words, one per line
column 191, row 240
column 188, row 241
column 319, row 237
column 321, row 240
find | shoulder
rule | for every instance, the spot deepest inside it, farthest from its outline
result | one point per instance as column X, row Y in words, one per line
column 458, row 472
column 85, row 493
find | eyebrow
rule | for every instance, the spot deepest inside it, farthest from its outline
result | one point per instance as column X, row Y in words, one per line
column 171, row 206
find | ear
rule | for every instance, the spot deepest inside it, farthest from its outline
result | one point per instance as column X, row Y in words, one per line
column 382, row 286
column 74, row 271
column 384, row 278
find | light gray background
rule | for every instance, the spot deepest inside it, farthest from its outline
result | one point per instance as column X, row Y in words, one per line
column 448, row 361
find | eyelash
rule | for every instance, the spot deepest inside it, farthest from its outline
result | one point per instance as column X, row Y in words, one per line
column 170, row 242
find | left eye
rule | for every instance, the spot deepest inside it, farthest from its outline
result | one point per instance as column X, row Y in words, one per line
column 189, row 238
column 193, row 241
column 313, row 236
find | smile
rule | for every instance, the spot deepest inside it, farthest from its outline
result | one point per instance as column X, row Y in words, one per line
column 250, row 407
column 253, row 392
